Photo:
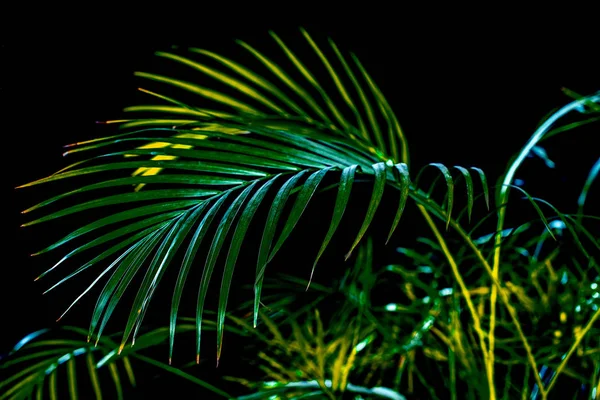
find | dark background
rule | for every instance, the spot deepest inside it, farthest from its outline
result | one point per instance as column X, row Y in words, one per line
column 468, row 89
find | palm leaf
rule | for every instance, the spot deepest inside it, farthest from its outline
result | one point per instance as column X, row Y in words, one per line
column 185, row 171
column 36, row 361
column 43, row 360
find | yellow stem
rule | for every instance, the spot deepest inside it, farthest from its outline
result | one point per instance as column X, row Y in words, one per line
column 466, row 294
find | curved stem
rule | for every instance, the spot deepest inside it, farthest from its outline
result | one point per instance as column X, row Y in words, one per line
column 466, row 294
column 495, row 282
column 502, row 198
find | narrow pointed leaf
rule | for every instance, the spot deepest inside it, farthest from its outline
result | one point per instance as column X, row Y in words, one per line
column 159, row 265
column 107, row 253
column 213, row 95
column 469, row 184
column 285, row 78
column 368, row 109
column 312, row 80
column 164, row 209
column 594, row 171
column 99, row 277
column 120, row 280
column 91, row 365
column 308, row 190
column 226, row 79
column 386, row 110
column 165, row 164
column 537, row 208
column 484, row 185
column 236, row 161
column 341, row 201
column 268, row 234
column 162, row 260
column 253, row 77
column 379, row 186
column 128, row 198
column 52, row 385
column 188, row 259
column 404, row 187
column 213, row 254
column 170, row 110
column 225, row 148
column 232, row 255
column 72, row 374
column 114, row 373
column 162, row 179
column 449, row 185
column 327, row 153
column 335, row 77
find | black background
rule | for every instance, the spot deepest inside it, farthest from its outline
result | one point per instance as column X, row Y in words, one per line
column 468, row 87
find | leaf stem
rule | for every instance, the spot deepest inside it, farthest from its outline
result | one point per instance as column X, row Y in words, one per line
column 466, row 295
column 502, row 198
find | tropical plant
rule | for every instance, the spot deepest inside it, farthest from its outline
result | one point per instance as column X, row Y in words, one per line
column 190, row 180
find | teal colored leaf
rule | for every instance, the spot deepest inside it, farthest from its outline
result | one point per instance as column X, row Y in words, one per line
column 159, row 264
column 341, row 201
column 594, row 171
column 164, row 209
column 213, row 254
column 128, row 198
column 121, row 278
column 105, row 254
column 449, row 186
column 306, row 193
column 188, row 259
column 232, row 255
column 268, row 234
column 162, row 179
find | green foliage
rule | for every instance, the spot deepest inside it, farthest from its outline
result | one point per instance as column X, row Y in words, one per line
column 224, row 161
column 461, row 308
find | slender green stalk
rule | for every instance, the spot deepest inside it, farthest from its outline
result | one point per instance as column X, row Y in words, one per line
column 503, row 297
column 466, row 295
column 524, row 390
column 502, row 198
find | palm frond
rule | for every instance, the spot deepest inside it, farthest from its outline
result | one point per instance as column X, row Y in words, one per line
column 39, row 362
column 215, row 169
column 59, row 361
